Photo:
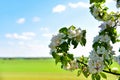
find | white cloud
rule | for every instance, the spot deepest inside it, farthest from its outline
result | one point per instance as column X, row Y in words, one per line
column 21, row 43
column 36, row 19
column 28, row 34
column 46, row 32
column 23, row 36
column 8, row 35
column 47, row 35
column 59, row 8
column 21, row 21
column 11, row 43
column 44, row 29
column 79, row 4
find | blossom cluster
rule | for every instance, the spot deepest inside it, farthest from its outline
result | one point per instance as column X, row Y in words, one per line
column 99, row 11
column 102, row 50
column 72, row 65
column 75, row 33
column 102, row 56
column 102, row 38
column 66, row 35
column 56, row 41
column 60, row 43
column 96, row 64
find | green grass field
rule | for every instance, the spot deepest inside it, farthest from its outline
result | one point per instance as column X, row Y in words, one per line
column 37, row 69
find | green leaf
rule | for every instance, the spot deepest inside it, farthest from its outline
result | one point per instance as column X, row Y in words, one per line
column 95, row 45
column 64, row 60
column 83, row 41
column 69, row 41
column 119, row 78
column 86, row 72
column 79, row 72
column 83, row 38
column 93, row 76
column 118, row 4
column 64, row 47
column 75, row 43
column 84, row 33
column 56, row 57
column 63, row 30
column 103, row 75
column 97, row 77
column 72, row 27
column 70, row 56
column 97, row 1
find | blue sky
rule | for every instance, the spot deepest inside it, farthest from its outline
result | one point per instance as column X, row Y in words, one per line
column 26, row 26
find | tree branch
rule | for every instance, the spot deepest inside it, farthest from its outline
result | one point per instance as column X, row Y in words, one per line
column 103, row 70
column 111, row 72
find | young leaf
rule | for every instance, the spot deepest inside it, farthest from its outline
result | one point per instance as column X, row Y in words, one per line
column 103, row 75
column 72, row 27
column 63, row 30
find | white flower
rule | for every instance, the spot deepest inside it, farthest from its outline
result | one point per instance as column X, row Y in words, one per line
column 78, row 31
column 107, row 56
column 72, row 65
column 96, row 38
column 96, row 11
column 95, row 66
column 56, row 41
column 93, row 54
column 95, row 62
column 103, row 26
column 74, row 33
column 60, row 54
column 111, row 23
column 78, row 34
column 53, row 50
column 71, row 33
column 67, row 67
column 104, row 38
column 101, row 50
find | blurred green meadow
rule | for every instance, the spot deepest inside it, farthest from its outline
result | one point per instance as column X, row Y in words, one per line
column 38, row 69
